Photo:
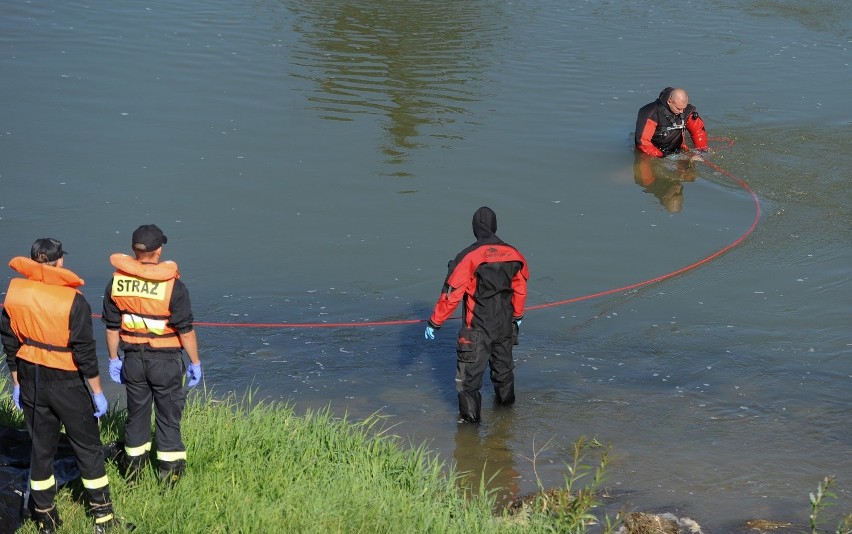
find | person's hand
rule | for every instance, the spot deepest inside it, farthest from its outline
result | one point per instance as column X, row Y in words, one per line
column 16, row 396
column 518, row 322
column 115, row 370
column 193, row 374
column 100, row 403
column 430, row 333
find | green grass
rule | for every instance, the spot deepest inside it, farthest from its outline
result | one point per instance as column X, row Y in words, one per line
column 258, row 467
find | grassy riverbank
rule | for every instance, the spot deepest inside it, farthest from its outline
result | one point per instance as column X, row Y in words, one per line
column 258, row 467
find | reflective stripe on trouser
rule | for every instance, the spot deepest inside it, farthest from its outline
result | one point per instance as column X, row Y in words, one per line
column 134, row 452
column 71, row 407
column 470, row 366
column 99, row 501
column 171, row 456
column 41, row 485
column 154, row 381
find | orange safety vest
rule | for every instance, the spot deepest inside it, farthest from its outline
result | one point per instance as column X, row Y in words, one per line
column 142, row 292
column 40, row 308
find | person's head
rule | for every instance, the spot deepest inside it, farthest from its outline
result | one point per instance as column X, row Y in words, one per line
column 148, row 241
column 677, row 101
column 484, row 222
column 48, row 251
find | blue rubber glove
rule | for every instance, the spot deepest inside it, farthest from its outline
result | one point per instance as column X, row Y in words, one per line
column 16, row 395
column 430, row 333
column 115, row 370
column 193, row 374
column 101, row 404
column 518, row 322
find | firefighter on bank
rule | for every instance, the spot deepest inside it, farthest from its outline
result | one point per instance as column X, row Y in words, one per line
column 46, row 329
column 147, row 313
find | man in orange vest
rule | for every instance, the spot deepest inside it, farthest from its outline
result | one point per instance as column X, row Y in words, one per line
column 46, row 329
column 148, row 316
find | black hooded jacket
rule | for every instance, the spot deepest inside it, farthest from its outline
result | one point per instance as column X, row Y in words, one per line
column 490, row 276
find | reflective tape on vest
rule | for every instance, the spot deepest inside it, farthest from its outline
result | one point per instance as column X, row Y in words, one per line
column 132, row 321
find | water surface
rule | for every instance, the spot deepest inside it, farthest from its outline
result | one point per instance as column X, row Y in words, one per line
column 320, row 161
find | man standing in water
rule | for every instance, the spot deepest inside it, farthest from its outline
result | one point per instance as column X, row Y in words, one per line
column 491, row 277
column 147, row 314
column 46, row 327
column 660, row 125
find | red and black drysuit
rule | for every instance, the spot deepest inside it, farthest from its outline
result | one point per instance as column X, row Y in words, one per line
column 659, row 132
column 490, row 278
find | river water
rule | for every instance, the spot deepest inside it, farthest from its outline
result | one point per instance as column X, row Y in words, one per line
column 319, row 162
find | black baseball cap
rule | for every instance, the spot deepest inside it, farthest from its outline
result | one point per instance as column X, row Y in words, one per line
column 148, row 237
column 46, row 250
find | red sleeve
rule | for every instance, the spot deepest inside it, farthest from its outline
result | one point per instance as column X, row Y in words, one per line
column 447, row 303
column 519, row 288
column 645, row 144
column 695, row 126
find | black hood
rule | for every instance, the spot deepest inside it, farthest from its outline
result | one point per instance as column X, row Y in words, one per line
column 484, row 223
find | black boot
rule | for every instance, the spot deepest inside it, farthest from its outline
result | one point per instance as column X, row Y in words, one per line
column 470, row 403
column 171, row 472
column 133, row 467
column 104, row 516
column 504, row 394
column 47, row 520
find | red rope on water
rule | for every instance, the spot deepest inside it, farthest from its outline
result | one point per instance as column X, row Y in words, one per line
column 313, row 325
column 682, row 270
column 591, row 296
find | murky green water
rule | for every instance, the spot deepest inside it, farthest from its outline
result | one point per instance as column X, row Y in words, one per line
column 319, row 162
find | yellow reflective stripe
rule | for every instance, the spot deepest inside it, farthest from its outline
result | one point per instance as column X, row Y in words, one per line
column 95, row 483
column 134, row 322
column 156, row 326
column 137, row 451
column 41, row 485
column 168, row 456
column 103, row 519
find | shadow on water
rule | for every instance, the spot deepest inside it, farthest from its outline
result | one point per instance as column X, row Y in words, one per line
column 416, row 352
column 418, row 65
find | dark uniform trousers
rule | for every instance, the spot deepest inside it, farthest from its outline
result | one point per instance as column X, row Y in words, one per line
column 64, row 402
column 470, row 366
column 154, row 377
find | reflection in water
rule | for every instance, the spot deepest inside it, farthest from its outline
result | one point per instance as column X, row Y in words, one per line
column 664, row 177
column 416, row 63
column 482, row 455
